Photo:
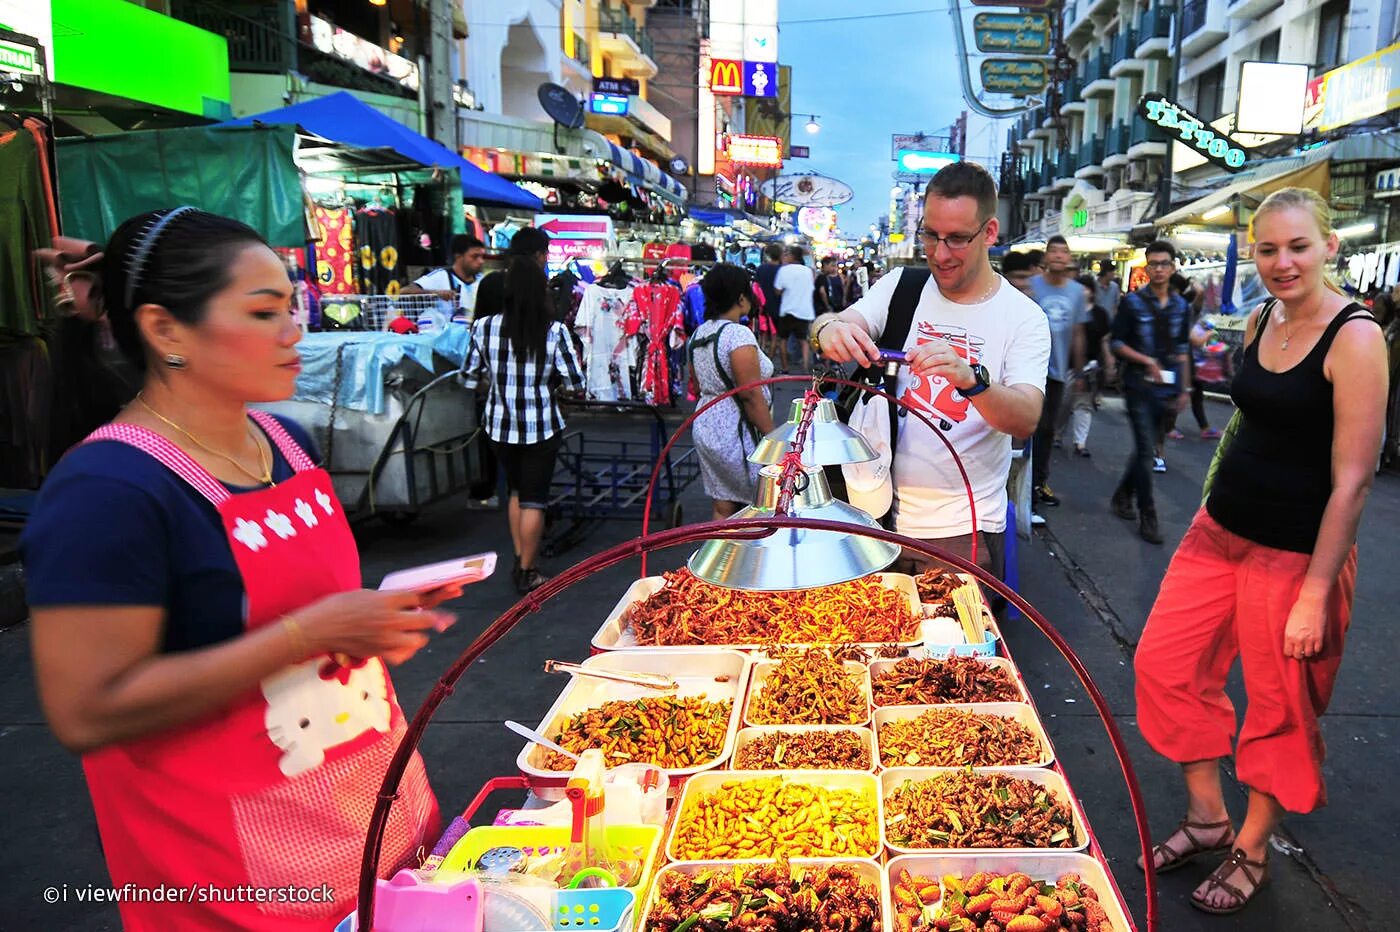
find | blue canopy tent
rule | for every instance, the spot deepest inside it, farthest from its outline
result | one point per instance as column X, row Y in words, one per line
column 343, row 118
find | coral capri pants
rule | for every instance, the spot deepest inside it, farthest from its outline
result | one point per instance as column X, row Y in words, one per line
column 1223, row 597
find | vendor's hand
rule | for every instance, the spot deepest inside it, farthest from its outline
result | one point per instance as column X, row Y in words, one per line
column 366, row 623
column 435, row 597
column 1304, row 632
column 936, row 358
column 842, row 341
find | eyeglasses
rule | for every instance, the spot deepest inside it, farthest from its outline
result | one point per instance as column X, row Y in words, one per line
column 954, row 241
column 1161, row 264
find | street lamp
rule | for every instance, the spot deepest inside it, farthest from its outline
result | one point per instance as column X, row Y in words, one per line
column 813, row 126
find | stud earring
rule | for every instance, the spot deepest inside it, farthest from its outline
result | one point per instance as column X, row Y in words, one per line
column 174, row 361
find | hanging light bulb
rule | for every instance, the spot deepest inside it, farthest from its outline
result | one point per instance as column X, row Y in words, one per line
column 813, row 126
column 828, row 441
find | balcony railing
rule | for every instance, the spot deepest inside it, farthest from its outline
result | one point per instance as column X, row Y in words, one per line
column 1095, row 68
column 619, row 22
column 1125, row 44
column 1073, row 87
column 1065, row 164
column 1193, row 16
column 261, row 46
column 1155, row 22
column 1090, row 153
column 1117, row 141
column 1143, row 131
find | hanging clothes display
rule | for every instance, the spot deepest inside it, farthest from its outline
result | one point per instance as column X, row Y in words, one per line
column 659, row 306
column 377, row 232
column 609, row 352
column 336, row 260
column 28, row 223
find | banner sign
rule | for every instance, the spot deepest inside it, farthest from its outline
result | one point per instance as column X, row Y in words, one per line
column 807, row 190
column 760, row 79
column 1356, row 91
column 1214, row 145
column 1021, row 33
column 1018, row 77
column 618, row 87
column 766, row 151
column 1023, row 4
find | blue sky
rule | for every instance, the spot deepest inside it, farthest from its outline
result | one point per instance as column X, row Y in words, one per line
column 868, row 68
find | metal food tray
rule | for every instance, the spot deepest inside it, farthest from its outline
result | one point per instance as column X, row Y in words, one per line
column 694, row 672
column 868, row 868
column 616, row 634
column 1053, row 779
column 750, row 734
column 879, row 666
column 1023, row 712
column 1046, row 867
column 763, row 668
column 710, row 781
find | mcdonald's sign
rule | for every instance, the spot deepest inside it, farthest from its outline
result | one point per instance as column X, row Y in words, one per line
column 726, row 76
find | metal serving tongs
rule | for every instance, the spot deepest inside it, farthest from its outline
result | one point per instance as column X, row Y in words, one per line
column 658, row 681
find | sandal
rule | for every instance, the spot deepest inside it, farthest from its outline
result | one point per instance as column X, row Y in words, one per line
column 1172, row 859
column 1236, row 862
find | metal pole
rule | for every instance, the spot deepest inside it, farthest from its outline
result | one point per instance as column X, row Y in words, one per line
column 1164, row 187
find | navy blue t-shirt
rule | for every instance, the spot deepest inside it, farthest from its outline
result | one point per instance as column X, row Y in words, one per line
column 112, row 526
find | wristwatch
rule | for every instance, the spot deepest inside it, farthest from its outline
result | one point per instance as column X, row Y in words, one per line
column 816, row 338
column 984, row 382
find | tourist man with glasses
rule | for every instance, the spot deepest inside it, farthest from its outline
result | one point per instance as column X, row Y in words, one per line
column 977, row 353
column 1152, row 336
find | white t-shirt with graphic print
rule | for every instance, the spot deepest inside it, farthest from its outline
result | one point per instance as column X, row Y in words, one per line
column 1008, row 334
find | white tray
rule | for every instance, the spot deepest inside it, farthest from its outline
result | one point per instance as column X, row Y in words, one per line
column 708, row 782
column 1041, row 865
column 761, row 670
column 868, row 868
column 616, row 634
column 751, row 734
column 879, row 666
column 694, row 672
column 893, row 777
column 1023, row 712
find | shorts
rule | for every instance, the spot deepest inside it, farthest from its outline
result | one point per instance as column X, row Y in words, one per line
column 789, row 326
column 529, row 469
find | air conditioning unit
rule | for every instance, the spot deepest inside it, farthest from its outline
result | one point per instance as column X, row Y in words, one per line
column 1137, row 172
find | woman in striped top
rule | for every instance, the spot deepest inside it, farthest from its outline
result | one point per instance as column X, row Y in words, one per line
column 519, row 358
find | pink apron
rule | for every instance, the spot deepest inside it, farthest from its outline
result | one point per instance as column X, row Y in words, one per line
column 274, row 792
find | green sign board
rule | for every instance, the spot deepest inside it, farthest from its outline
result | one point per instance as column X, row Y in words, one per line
column 1019, row 77
column 126, row 50
column 1017, row 33
column 18, row 59
column 1079, row 219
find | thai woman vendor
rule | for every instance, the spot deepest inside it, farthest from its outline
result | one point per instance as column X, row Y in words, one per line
column 200, row 632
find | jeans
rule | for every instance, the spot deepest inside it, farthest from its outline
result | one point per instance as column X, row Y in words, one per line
column 1045, row 432
column 1145, row 412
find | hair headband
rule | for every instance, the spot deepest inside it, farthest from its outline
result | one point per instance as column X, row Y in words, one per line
column 144, row 245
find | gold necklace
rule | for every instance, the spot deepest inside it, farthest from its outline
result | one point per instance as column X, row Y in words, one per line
column 263, row 459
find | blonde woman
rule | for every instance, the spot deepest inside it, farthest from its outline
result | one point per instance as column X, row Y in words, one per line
column 1267, row 570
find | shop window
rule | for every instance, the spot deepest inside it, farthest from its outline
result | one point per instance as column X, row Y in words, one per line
column 1331, row 22
column 1210, row 92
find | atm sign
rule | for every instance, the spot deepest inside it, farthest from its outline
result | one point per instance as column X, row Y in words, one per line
column 726, row 76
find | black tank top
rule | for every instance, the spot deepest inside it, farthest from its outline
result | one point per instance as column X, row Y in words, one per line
column 1276, row 476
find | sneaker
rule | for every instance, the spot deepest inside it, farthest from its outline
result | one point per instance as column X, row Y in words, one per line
column 1210, row 433
column 1043, row 496
column 1122, row 505
column 1147, row 527
column 530, row 579
column 1037, row 520
column 484, row 504
column 1159, row 464
column 1175, row 434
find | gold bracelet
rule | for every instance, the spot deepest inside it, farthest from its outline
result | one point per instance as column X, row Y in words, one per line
column 297, row 636
column 816, row 338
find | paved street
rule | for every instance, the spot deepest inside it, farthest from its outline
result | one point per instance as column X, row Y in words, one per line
column 1093, row 577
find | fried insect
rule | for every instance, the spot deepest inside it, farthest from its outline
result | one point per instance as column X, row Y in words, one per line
column 668, row 731
column 806, row 750
column 688, row 611
column 962, row 809
column 809, row 687
column 937, row 585
column 773, row 816
column 957, row 738
column 913, row 681
column 776, row 897
column 990, row 902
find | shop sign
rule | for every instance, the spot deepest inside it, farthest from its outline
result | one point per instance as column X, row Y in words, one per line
column 332, row 40
column 32, row 19
column 1018, row 77
column 726, row 77
column 1357, row 91
column 618, row 87
column 799, row 152
column 608, row 104
column 19, row 59
column 1023, row 4
column 1387, row 183
column 760, row 79
column 1374, row 268
column 575, row 227
column 765, row 151
column 807, row 190
column 919, row 162
column 1019, row 33
column 1079, row 219
column 1214, row 145
column 816, row 222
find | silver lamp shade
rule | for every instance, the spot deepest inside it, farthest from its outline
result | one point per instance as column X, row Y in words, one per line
column 829, row 442
column 794, row 558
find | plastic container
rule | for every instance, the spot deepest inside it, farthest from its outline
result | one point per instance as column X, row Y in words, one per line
column 894, row 777
column 763, row 669
column 987, row 647
column 880, row 666
column 643, row 838
column 697, row 672
column 1046, row 867
column 705, row 783
column 869, row 869
column 597, row 910
column 616, row 634
column 1022, row 712
column 749, row 735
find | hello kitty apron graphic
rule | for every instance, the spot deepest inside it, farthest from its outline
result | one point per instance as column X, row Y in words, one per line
column 935, row 395
column 279, row 786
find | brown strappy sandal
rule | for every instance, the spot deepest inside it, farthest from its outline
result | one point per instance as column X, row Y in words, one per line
column 1172, row 859
column 1218, row 881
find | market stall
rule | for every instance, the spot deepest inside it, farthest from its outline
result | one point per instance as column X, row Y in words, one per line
column 792, row 738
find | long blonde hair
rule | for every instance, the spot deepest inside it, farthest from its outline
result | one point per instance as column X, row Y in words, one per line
column 1314, row 203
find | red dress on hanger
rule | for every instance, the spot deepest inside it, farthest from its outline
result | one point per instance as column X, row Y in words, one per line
column 660, row 308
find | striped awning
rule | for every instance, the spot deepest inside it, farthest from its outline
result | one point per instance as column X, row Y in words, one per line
column 646, row 173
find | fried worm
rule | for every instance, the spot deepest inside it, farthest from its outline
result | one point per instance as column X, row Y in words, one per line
column 670, row 732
